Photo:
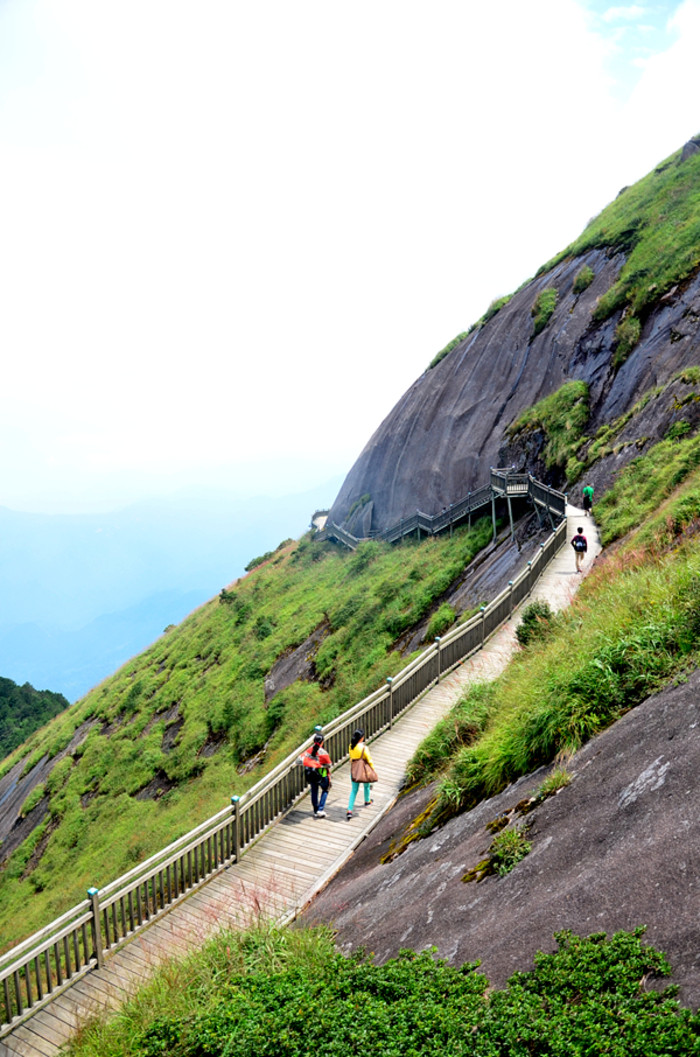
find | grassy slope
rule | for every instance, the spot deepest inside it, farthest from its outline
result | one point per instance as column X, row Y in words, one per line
column 210, row 672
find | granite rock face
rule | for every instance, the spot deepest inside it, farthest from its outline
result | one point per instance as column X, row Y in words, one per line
column 617, row 848
column 445, row 433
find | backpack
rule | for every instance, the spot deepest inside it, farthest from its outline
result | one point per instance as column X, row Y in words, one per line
column 579, row 543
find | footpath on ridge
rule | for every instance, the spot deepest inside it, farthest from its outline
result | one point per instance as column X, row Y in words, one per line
column 296, row 858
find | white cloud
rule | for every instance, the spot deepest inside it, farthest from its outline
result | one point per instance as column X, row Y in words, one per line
column 245, row 229
column 630, row 13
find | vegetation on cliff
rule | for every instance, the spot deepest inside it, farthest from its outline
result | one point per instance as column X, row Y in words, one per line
column 206, row 711
column 655, row 223
column 268, row 991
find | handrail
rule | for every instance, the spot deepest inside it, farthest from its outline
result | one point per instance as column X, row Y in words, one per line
column 47, row 962
column 503, row 483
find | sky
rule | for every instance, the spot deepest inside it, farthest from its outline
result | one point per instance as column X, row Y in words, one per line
column 232, row 234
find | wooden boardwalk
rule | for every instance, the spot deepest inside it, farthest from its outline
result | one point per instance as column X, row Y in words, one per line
column 296, row 857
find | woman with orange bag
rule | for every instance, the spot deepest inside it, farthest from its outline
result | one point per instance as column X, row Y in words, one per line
column 362, row 770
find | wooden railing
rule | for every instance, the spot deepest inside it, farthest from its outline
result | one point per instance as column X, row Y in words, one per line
column 52, row 959
column 503, row 484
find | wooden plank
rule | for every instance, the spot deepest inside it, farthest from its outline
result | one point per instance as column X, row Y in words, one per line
column 15, row 1044
column 50, row 1028
column 36, row 1046
column 291, row 866
column 66, row 1011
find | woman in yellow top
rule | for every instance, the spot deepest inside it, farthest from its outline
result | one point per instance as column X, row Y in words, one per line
column 358, row 751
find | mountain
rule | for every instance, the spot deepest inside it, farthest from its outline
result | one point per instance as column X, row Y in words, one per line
column 23, row 710
column 83, row 593
column 618, row 311
column 591, row 371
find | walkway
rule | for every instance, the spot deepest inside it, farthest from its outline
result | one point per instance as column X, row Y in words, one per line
column 295, row 858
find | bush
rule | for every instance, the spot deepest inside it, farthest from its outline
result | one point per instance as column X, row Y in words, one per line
column 440, row 621
column 507, row 849
column 535, row 624
column 627, row 334
column 583, row 279
column 542, row 309
column 258, row 994
column 448, row 349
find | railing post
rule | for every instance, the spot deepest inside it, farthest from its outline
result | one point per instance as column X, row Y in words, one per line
column 510, row 601
column 236, row 828
column 439, row 657
column 529, row 577
column 483, row 624
column 93, row 896
column 390, row 682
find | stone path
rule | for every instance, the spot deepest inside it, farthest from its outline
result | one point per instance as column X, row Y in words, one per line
column 297, row 857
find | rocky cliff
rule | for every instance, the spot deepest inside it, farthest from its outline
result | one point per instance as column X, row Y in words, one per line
column 450, row 427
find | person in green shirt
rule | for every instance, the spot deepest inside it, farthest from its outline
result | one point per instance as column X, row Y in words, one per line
column 588, row 498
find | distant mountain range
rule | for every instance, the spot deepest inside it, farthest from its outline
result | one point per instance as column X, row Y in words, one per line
column 81, row 594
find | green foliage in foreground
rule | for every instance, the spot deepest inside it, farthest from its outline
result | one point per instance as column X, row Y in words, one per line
column 562, row 416
column 189, row 715
column 268, row 993
column 656, row 222
column 23, row 710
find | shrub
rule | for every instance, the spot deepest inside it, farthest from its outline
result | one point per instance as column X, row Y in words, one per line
column 255, row 562
column 556, row 780
column 495, row 307
column 256, row 993
column 678, row 429
column 536, row 622
column 583, row 279
column 448, row 349
column 440, row 621
column 627, row 334
column 507, row 849
column 542, row 309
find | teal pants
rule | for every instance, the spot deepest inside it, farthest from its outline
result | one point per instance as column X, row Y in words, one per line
column 353, row 793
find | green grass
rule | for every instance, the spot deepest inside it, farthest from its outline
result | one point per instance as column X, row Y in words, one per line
column 636, row 625
column 267, row 992
column 543, row 308
column 583, row 279
column 656, row 223
column 562, row 416
column 210, row 673
column 447, row 349
column 643, row 487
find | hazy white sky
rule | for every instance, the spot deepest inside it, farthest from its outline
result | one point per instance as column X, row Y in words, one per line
column 233, row 233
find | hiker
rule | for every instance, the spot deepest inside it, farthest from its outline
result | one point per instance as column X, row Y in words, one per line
column 580, row 545
column 588, row 498
column 359, row 774
column 317, row 767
